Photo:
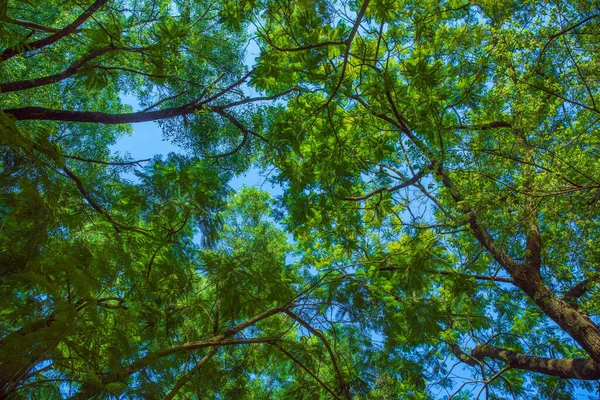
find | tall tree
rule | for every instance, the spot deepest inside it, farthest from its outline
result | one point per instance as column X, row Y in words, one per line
column 438, row 163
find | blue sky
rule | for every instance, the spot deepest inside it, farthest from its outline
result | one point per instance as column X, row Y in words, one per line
column 147, row 140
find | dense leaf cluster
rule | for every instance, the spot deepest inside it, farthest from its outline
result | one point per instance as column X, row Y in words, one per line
column 436, row 235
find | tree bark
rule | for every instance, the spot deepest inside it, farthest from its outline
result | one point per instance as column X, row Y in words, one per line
column 577, row 324
column 47, row 114
column 578, row 368
column 38, row 44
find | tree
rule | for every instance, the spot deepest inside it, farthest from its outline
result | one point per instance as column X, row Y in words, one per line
column 438, row 164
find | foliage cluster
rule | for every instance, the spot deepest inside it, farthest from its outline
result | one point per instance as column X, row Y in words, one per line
column 437, row 232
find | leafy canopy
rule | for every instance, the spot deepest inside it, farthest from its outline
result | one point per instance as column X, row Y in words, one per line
column 436, row 232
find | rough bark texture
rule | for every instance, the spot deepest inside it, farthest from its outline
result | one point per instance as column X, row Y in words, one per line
column 577, row 324
column 581, row 368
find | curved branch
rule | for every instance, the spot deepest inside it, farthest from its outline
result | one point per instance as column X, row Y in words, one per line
column 304, row 367
column 562, row 33
column 360, row 15
column 576, row 368
column 218, row 340
column 55, row 37
column 580, row 289
column 48, row 114
column 46, row 80
column 338, row 373
column 186, row 378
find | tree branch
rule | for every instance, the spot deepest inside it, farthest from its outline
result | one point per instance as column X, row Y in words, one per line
column 580, row 289
column 562, row 32
column 72, row 70
column 217, row 340
column 186, row 378
column 577, row 368
column 417, row 177
column 38, row 44
column 48, row 114
column 525, row 276
column 30, row 25
column 304, row 367
column 484, row 127
column 343, row 388
column 137, row 162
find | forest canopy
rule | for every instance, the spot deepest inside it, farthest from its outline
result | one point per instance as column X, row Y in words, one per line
column 436, row 235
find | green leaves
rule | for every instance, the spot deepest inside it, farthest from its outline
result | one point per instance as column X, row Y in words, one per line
column 436, row 162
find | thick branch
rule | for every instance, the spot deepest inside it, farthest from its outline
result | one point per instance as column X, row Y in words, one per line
column 578, row 368
column 525, row 276
column 218, row 340
column 580, row 289
column 38, row 44
column 47, row 114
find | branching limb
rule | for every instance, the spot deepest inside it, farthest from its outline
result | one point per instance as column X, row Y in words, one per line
column 580, row 289
column 116, row 164
column 186, row 378
column 577, row 368
column 55, row 37
column 343, row 388
column 311, row 373
column 48, row 114
column 562, row 32
column 46, row 80
column 417, row 177
column 30, row 25
column 348, row 41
